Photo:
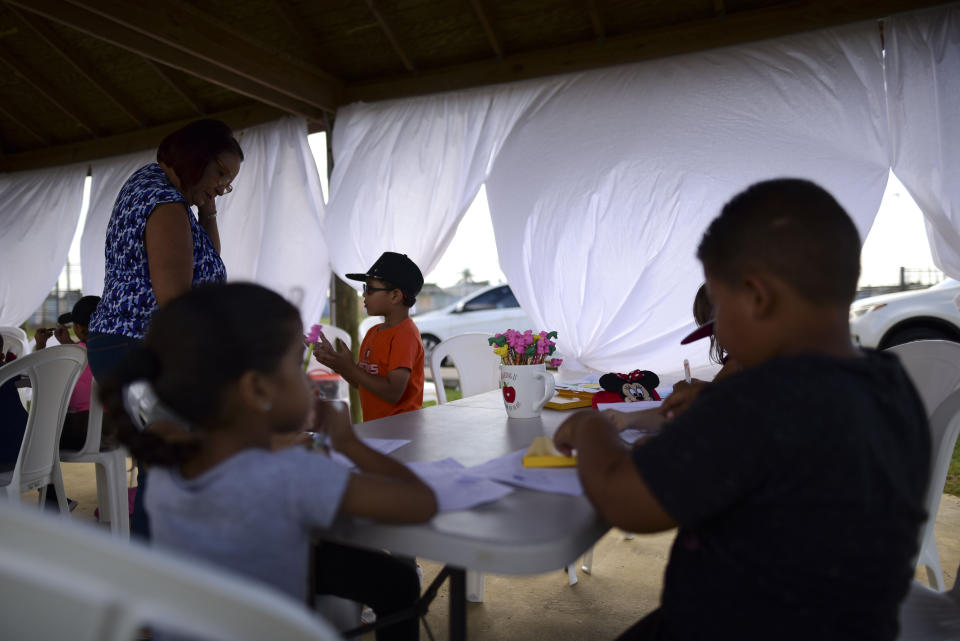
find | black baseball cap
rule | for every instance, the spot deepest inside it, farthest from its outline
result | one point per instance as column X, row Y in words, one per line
column 81, row 312
column 396, row 269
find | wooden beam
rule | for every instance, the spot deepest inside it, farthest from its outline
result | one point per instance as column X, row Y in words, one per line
column 33, row 78
column 138, row 140
column 172, row 49
column 206, row 39
column 178, row 86
column 735, row 28
column 82, row 67
column 719, row 8
column 596, row 20
column 295, row 25
column 388, row 32
column 21, row 122
column 481, row 11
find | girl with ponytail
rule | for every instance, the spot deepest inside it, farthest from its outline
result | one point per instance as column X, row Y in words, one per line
column 219, row 379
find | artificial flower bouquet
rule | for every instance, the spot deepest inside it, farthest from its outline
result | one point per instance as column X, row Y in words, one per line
column 523, row 348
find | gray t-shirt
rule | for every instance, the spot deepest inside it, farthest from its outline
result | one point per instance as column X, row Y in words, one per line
column 251, row 514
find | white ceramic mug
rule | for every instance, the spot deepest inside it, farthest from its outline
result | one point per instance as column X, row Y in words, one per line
column 526, row 389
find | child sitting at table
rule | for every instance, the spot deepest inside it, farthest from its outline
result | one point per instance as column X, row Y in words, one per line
column 227, row 362
column 798, row 483
column 389, row 372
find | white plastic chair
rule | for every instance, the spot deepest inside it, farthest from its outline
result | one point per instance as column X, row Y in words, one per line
column 15, row 340
column 944, row 427
column 477, row 366
column 934, row 368
column 111, row 469
column 68, row 581
column 928, row 615
column 53, row 372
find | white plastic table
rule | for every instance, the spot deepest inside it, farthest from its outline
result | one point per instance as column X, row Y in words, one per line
column 526, row 532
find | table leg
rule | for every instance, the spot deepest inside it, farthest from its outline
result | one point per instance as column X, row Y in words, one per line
column 458, row 604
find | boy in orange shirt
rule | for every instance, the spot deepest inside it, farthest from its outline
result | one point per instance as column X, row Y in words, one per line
column 389, row 373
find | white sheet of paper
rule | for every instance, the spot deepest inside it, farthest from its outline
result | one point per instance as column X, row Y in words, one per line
column 382, row 445
column 632, row 436
column 455, row 487
column 510, row 469
column 636, row 406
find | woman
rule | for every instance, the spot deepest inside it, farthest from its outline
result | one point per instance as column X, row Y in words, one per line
column 156, row 249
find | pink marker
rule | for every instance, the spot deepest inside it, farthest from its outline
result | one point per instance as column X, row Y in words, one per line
column 686, row 370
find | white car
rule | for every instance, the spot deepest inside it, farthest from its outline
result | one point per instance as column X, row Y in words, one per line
column 490, row 310
column 920, row 314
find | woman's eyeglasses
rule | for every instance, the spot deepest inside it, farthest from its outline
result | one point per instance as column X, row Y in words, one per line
column 223, row 185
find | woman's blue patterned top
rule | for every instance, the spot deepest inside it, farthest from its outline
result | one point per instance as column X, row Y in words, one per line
column 128, row 303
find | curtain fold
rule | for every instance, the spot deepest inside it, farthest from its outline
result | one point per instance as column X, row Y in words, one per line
column 922, row 73
column 405, row 171
column 272, row 223
column 106, row 178
column 600, row 198
column 39, row 211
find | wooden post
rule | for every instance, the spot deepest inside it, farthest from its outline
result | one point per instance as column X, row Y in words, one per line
column 344, row 305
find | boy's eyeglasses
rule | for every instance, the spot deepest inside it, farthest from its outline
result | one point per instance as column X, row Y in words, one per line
column 369, row 290
column 224, row 186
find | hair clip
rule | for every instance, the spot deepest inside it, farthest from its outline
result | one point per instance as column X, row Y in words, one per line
column 145, row 408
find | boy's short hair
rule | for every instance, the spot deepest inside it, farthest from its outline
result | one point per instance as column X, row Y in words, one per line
column 81, row 312
column 793, row 228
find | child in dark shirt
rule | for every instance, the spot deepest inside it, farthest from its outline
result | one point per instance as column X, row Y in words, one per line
column 798, row 482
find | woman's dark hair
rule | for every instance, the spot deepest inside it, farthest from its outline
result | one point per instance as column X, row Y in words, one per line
column 190, row 149
column 196, row 347
column 703, row 314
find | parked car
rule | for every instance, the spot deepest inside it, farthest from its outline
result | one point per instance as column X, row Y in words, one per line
column 490, row 310
column 920, row 314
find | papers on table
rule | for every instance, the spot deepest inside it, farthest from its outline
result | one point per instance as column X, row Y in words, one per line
column 636, row 406
column 382, row 445
column 455, row 487
column 632, row 436
column 510, row 469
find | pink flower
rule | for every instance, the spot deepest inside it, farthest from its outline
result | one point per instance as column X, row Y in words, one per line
column 314, row 335
column 555, row 362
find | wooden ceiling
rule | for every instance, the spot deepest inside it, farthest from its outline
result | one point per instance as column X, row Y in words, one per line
column 84, row 79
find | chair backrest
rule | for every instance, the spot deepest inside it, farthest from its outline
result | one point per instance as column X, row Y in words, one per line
column 15, row 340
column 944, row 428
column 934, row 368
column 332, row 333
column 62, row 580
column 53, row 372
column 477, row 366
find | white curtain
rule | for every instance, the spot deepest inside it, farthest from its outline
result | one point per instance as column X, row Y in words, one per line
column 106, row 178
column 271, row 225
column 38, row 217
column 600, row 198
column 923, row 89
column 406, row 170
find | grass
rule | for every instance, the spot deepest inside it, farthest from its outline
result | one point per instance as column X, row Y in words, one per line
column 953, row 474
column 453, row 394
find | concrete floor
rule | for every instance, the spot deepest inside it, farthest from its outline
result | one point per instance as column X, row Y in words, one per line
column 625, row 583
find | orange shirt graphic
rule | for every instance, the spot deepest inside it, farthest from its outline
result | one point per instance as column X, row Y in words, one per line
column 383, row 350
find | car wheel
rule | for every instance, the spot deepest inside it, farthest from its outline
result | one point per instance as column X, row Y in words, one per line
column 429, row 342
column 921, row 333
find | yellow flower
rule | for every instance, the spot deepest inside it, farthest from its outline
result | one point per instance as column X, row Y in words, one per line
column 501, row 351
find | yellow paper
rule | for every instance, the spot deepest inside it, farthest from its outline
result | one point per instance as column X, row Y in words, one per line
column 542, row 453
